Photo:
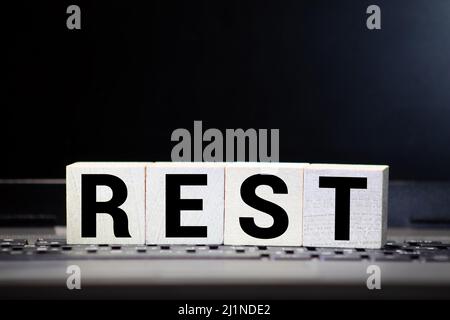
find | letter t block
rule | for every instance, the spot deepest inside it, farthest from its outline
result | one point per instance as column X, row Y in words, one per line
column 345, row 206
column 105, row 203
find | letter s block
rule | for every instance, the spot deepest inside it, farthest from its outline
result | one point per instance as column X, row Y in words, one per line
column 263, row 204
column 185, row 203
column 345, row 206
column 105, row 203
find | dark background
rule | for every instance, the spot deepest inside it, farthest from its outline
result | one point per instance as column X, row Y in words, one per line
column 117, row 88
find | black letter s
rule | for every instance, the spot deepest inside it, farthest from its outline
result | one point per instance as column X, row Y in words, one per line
column 280, row 217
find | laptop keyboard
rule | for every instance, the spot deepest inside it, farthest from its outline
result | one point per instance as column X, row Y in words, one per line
column 51, row 249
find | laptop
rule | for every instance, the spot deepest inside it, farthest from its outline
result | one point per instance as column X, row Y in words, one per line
column 35, row 261
column 117, row 87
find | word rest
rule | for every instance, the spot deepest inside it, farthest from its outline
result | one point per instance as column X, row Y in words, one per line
column 273, row 204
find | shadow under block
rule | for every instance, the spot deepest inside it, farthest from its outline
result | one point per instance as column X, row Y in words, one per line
column 97, row 180
column 271, row 211
column 185, row 203
column 345, row 206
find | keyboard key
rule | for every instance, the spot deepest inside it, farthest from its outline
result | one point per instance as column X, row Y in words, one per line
column 292, row 257
column 41, row 250
column 342, row 258
column 50, row 242
column 438, row 258
column 394, row 258
column 91, row 249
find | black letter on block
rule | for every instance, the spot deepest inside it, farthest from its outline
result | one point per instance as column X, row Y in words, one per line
column 174, row 205
column 90, row 207
column 342, row 206
column 280, row 217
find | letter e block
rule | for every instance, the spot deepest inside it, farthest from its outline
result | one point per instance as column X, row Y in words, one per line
column 185, row 203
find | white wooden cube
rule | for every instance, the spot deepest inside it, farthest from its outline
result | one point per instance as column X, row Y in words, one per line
column 195, row 205
column 354, row 216
column 113, row 186
column 269, row 189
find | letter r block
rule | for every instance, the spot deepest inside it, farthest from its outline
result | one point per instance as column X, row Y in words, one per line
column 105, row 203
column 345, row 206
column 263, row 204
column 185, row 203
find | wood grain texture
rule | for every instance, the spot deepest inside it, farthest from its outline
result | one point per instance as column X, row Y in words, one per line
column 292, row 202
column 368, row 207
column 133, row 175
column 211, row 195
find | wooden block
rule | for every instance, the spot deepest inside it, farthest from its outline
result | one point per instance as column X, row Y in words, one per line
column 105, row 203
column 345, row 206
column 263, row 204
column 185, row 203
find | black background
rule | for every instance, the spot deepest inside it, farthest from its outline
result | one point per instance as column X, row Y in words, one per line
column 117, row 88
